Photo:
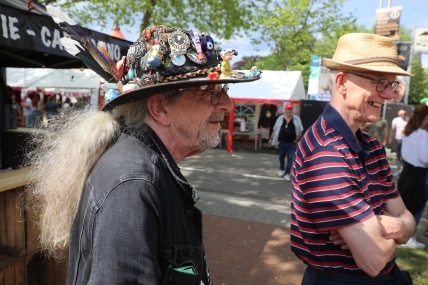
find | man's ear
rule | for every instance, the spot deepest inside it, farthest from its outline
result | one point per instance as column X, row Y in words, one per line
column 156, row 108
column 341, row 83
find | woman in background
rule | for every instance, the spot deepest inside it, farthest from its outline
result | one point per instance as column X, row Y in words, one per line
column 413, row 181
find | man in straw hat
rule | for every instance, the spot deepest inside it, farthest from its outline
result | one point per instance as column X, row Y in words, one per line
column 346, row 213
column 107, row 182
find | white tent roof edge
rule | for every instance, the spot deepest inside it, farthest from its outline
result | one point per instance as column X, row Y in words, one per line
column 273, row 85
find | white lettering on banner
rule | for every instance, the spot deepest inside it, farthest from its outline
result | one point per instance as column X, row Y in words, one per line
column 49, row 38
column 113, row 51
column 14, row 35
column 4, row 26
column 11, row 28
column 57, row 40
column 45, row 35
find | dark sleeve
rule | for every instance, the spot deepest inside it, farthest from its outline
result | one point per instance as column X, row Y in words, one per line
column 125, row 245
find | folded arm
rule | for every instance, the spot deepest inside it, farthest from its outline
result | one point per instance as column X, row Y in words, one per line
column 372, row 242
column 369, row 248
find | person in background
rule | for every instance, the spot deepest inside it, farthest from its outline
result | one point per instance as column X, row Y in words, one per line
column 346, row 213
column 17, row 103
column 51, row 107
column 121, row 207
column 35, row 118
column 66, row 107
column 397, row 129
column 27, row 106
column 413, row 180
column 266, row 121
column 287, row 131
column 379, row 130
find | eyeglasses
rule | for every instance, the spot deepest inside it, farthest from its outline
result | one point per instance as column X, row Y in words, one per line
column 382, row 84
column 214, row 89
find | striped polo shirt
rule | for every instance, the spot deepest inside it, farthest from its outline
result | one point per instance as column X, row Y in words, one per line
column 338, row 180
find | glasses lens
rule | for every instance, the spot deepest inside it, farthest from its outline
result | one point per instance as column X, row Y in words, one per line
column 382, row 85
column 394, row 85
column 216, row 93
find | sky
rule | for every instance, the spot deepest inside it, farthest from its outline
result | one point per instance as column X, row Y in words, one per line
column 413, row 15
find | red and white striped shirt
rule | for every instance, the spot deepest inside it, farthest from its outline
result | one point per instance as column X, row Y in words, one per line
column 338, row 180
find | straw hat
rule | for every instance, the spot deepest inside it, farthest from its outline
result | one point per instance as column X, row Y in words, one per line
column 365, row 52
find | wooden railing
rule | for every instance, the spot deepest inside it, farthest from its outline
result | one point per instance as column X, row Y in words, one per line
column 20, row 260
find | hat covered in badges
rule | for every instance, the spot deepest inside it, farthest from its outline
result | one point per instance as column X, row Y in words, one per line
column 161, row 60
column 165, row 59
column 365, row 52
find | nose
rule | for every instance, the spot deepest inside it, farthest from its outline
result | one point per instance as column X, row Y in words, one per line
column 387, row 94
column 225, row 102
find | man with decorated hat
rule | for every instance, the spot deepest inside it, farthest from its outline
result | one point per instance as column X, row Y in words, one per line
column 107, row 183
column 346, row 213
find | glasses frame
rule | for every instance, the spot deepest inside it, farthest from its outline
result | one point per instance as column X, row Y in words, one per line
column 380, row 87
column 215, row 91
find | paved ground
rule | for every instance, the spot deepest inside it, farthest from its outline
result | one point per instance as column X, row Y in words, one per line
column 247, row 211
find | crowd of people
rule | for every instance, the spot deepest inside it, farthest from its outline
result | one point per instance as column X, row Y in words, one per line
column 36, row 109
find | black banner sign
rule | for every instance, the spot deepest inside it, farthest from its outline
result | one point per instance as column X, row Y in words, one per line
column 39, row 33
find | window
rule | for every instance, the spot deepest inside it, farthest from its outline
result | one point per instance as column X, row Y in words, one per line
column 248, row 112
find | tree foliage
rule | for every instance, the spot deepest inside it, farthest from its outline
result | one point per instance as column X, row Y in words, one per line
column 222, row 17
column 293, row 29
column 418, row 82
column 297, row 29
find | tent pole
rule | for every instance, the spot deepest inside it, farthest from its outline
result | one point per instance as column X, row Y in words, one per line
column 231, row 126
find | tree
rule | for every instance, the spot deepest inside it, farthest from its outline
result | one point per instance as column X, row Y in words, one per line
column 222, row 17
column 418, row 82
column 405, row 34
column 297, row 29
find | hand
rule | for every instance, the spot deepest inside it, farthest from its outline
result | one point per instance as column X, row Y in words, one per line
column 337, row 239
column 390, row 226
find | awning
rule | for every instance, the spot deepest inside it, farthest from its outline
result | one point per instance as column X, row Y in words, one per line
column 274, row 87
column 33, row 39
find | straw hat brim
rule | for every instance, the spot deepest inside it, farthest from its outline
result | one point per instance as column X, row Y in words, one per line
column 336, row 65
column 144, row 92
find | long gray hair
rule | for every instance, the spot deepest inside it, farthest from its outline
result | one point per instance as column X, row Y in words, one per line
column 62, row 158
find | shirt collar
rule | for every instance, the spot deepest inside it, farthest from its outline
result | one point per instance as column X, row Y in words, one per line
column 335, row 120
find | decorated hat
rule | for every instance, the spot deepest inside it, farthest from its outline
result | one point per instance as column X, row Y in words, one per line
column 162, row 59
column 365, row 52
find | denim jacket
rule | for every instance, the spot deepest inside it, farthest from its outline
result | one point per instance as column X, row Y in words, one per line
column 137, row 223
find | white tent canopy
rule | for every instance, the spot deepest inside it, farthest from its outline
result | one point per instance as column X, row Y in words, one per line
column 59, row 80
column 273, row 87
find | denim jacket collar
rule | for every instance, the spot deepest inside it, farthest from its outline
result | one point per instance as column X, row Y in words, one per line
column 155, row 143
